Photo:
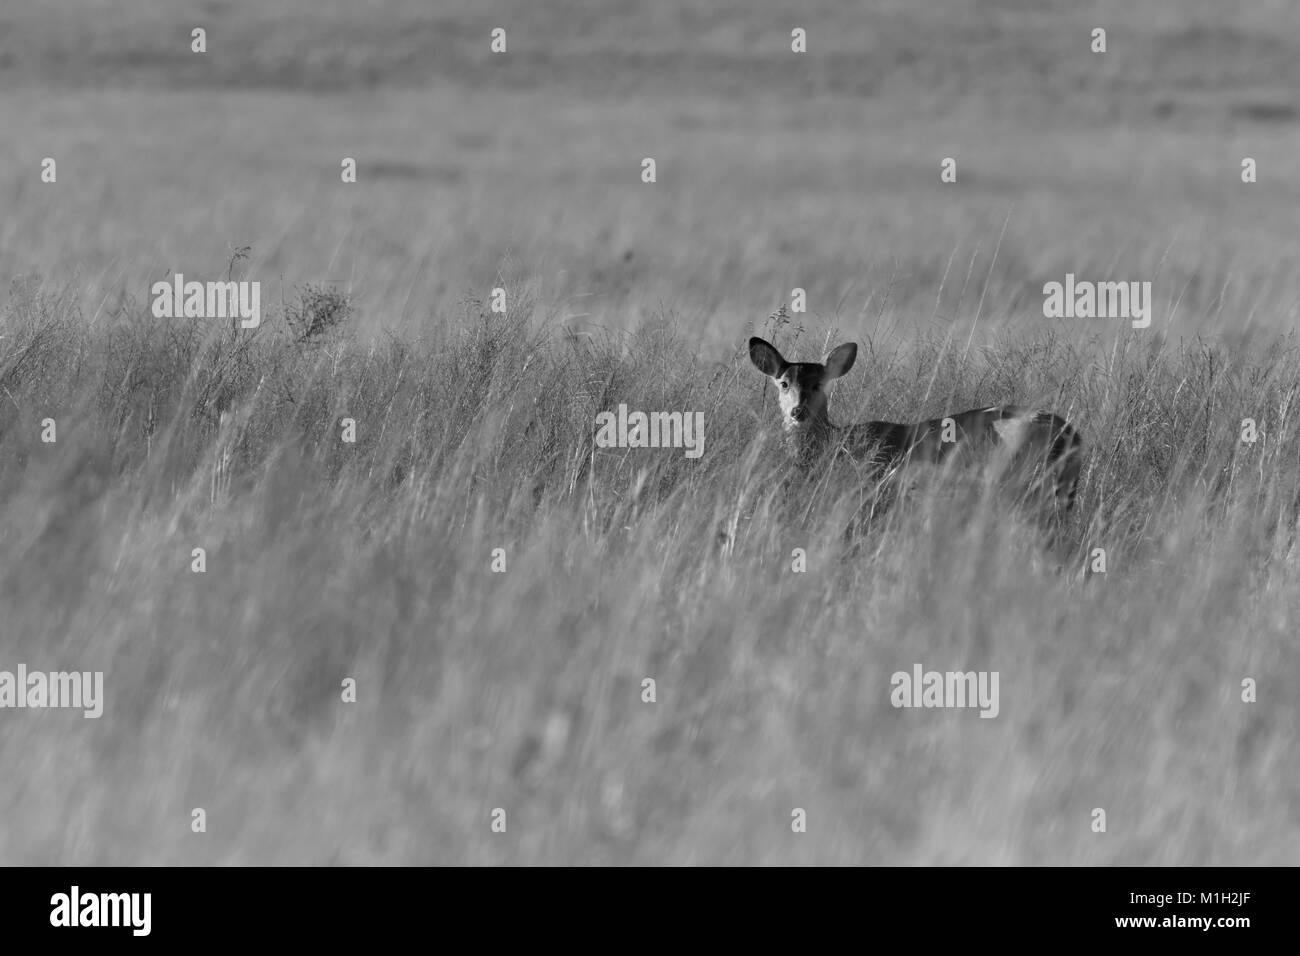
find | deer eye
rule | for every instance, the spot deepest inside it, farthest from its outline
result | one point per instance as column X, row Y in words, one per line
column 785, row 384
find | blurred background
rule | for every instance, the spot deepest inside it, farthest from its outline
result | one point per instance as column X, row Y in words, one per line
column 775, row 169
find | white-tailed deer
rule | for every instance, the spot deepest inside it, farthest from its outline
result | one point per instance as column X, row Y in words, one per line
column 1043, row 449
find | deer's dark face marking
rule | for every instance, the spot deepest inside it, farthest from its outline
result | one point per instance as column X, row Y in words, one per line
column 800, row 393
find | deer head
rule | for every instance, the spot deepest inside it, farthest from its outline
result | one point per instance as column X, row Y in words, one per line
column 801, row 386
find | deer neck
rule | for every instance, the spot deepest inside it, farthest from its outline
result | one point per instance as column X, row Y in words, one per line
column 806, row 441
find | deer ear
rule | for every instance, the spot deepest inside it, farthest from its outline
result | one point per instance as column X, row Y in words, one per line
column 841, row 360
column 764, row 354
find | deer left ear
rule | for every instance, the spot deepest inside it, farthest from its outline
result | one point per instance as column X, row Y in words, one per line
column 840, row 360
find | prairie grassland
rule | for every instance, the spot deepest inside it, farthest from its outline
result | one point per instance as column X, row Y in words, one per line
column 523, row 689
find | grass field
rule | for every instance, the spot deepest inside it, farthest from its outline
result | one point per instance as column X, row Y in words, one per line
column 522, row 690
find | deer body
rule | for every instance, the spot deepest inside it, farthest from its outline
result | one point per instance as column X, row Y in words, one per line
column 1042, row 446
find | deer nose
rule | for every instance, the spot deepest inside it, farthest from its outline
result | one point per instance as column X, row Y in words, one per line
column 799, row 412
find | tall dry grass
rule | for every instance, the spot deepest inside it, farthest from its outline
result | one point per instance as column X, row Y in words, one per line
column 523, row 689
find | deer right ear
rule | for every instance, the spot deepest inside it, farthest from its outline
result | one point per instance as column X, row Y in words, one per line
column 764, row 354
column 840, row 360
